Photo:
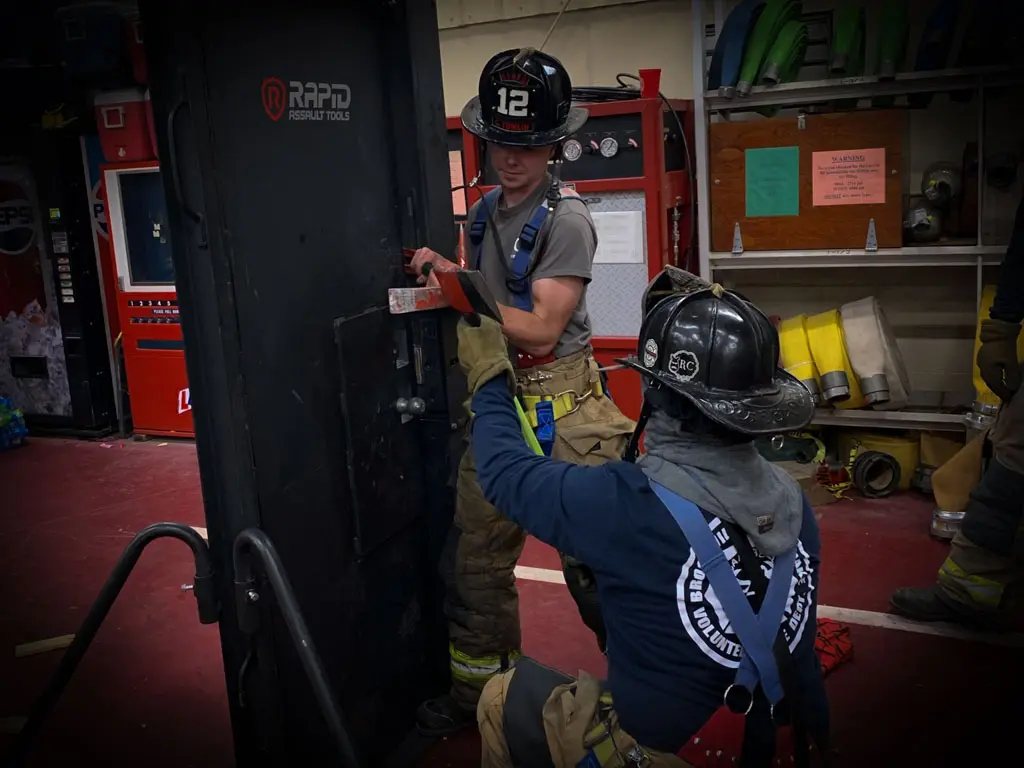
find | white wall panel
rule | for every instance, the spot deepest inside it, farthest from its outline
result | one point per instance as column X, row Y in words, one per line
column 595, row 43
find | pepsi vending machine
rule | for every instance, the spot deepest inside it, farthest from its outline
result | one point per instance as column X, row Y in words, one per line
column 55, row 361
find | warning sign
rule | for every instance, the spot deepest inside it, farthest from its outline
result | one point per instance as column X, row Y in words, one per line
column 849, row 177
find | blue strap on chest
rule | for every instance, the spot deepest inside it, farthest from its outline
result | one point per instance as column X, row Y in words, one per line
column 756, row 633
column 518, row 280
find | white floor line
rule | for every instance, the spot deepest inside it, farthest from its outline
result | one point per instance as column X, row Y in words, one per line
column 549, row 575
column 847, row 615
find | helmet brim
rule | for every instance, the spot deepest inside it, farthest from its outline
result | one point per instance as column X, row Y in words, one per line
column 786, row 406
column 472, row 121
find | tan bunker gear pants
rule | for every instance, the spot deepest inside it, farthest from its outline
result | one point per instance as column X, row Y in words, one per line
column 577, row 719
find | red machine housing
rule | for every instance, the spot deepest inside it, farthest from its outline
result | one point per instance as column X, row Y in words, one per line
column 147, row 300
column 650, row 175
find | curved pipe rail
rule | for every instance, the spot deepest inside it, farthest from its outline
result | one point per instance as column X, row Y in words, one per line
column 251, row 544
column 209, row 612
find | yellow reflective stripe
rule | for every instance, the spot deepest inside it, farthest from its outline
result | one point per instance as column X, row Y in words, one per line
column 981, row 590
column 470, row 668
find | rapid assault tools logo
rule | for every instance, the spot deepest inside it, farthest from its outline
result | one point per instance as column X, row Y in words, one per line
column 313, row 101
column 704, row 618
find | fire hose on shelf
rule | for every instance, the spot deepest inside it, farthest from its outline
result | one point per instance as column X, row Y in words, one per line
column 839, row 384
column 875, row 356
column 796, row 354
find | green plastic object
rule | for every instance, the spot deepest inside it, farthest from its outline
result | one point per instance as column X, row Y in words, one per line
column 893, row 40
column 773, row 19
column 847, row 55
column 786, row 55
column 784, row 59
column 894, row 36
column 848, row 48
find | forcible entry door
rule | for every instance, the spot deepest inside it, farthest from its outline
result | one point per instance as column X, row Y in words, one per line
column 287, row 232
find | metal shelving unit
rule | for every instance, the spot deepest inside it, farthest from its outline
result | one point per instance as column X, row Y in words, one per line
column 808, row 94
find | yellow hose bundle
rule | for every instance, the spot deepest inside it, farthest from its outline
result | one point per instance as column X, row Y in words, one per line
column 796, row 354
column 984, row 394
column 839, row 383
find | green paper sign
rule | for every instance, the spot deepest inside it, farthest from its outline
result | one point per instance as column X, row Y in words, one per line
column 773, row 181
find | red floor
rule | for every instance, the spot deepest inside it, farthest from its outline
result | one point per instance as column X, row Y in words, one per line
column 151, row 689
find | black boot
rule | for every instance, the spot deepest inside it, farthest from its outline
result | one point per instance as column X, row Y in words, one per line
column 443, row 716
column 928, row 604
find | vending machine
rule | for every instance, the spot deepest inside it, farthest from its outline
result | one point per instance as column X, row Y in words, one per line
column 147, row 300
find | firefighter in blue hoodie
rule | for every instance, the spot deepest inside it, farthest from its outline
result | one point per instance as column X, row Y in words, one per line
column 706, row 556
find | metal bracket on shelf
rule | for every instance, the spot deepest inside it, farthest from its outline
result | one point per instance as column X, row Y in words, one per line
column 737, row 240
column 872, row 240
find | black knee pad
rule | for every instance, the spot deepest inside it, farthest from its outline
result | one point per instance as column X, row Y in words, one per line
column 995, row 509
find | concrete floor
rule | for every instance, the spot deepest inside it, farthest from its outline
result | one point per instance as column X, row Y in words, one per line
column 151, row 690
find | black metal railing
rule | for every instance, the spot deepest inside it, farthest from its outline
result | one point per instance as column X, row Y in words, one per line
column 251, row 546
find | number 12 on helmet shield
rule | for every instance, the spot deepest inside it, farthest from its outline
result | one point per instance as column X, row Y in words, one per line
column 513, row 102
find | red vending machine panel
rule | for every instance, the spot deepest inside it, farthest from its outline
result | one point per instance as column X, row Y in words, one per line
column 147, row 300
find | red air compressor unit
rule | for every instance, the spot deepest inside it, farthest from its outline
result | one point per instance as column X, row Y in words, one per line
column 147, row 300
column 632, row 165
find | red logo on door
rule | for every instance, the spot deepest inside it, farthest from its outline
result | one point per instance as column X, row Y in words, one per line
column 274, row 93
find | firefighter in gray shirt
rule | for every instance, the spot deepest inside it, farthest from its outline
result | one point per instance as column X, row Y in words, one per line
column 534, row 241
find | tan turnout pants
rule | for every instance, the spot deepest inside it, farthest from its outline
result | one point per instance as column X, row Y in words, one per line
column 571, row 716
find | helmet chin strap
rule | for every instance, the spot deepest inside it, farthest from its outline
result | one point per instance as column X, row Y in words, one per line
column 555, row 190
column 632, row 449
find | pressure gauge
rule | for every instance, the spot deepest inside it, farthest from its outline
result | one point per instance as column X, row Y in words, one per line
column 609, row 146
column 572, row 150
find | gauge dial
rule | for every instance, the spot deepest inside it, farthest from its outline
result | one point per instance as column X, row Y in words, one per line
column 572, row 150
column 609, row 146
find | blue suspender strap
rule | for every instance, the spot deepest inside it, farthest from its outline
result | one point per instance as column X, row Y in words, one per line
column 479, row 225
column 518, row 282
column 756, row 634
column 773, row 608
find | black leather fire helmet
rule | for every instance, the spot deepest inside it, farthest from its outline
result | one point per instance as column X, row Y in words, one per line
column 525, row 100
column 721, row 353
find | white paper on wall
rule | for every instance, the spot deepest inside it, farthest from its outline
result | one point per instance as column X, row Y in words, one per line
column 620, row 237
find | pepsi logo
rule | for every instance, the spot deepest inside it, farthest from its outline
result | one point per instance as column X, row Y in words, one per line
column 17, row 221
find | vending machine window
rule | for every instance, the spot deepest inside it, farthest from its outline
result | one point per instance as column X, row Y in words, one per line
column 145, row 229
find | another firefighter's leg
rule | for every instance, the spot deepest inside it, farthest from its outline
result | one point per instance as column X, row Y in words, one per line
column 977, row 580
column 481, row 603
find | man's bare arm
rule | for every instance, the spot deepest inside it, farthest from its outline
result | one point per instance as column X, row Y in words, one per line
column 554, row 300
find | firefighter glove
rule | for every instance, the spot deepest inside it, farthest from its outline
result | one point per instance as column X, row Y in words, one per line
column 483, row 354
column 997, row 357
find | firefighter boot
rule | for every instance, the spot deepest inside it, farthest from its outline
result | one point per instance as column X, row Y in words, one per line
column 928, row 604
column 443, row 716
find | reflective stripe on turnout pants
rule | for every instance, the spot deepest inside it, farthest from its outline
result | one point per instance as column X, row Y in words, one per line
column 481, row 600
column 986, row 560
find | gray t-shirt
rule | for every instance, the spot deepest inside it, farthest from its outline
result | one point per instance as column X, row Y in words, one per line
column 565, row 248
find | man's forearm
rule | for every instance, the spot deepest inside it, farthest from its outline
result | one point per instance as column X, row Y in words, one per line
column 529, row 332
